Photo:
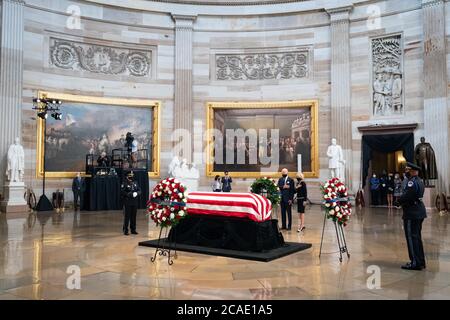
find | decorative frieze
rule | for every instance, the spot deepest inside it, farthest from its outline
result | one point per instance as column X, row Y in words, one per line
column 262, row 66
column 72, row 55
column 387, row 75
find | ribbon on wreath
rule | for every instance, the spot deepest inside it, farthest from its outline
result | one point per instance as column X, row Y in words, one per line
column 168, row 203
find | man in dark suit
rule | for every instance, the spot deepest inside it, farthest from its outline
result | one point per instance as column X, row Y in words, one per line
column 287, row 189
column 226, row 182
column 78, row 188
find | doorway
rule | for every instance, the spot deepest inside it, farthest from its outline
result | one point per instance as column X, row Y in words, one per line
column 383, row 154
column 388, row 162
column 384, row 164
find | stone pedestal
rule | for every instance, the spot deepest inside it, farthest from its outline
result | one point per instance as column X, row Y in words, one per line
column 429, row 197
column 14, row 200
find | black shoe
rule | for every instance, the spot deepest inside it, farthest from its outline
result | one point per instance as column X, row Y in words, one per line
column 410, row 266
column 283, row 228
column 126, row 233
column 134, row 232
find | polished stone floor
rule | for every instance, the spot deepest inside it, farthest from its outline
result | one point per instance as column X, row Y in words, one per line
column 36, row 252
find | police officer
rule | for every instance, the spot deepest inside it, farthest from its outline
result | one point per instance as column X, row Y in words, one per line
column 414, row 213
column 130, row 192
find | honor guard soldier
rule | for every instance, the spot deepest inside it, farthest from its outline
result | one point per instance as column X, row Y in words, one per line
column 414, row 213
column 130, row 192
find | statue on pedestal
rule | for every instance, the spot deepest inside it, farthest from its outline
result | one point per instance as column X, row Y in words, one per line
column 13, row 191
column 426, row 160
column 335, row 160
column 188, row 174
column 16, row 164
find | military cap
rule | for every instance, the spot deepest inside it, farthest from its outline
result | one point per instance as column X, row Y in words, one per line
column 412, row 166
column 130, row 174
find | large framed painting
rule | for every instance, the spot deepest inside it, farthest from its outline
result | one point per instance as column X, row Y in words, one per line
column 254, row 139
column 91, row 125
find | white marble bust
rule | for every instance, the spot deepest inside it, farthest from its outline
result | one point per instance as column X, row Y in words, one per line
column 335, row 159
column 173, row 166
column 16, row 162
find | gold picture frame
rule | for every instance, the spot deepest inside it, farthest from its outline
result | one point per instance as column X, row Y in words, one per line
column 153, row 104
column 312, row 104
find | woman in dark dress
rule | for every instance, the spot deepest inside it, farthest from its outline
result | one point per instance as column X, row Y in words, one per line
column 302, row 195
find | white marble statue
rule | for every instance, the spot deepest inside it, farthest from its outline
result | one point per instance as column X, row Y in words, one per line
column 335, row 160
column 195, row 174
column 188, row 174
column 16, row 162
column 184, row 169
column 174, row 164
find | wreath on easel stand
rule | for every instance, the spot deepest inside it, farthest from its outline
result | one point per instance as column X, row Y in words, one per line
column 337, row 208
column 166, row 207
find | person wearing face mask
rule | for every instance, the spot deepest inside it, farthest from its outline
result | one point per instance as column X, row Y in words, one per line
column 390, row 190
column 374, row 189
column 397, row 189
column 287, row 189
column 78, row 188
column 414, row 213
column 226, row 182
column 383, row 188
column 302, row 195
column 130, row 192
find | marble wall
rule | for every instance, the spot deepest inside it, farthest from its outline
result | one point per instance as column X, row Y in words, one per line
column 101, row 26
column 150, row 27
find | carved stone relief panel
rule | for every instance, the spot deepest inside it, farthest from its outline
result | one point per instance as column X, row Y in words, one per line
column 387, row 75
column 263, row 65
column 68, row 54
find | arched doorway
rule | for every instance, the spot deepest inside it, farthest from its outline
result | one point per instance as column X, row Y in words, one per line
column 384, row 150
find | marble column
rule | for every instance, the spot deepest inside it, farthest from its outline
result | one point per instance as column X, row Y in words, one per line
column 435, row 87
column 11, row 74
column 183, row 84
column 341, row 128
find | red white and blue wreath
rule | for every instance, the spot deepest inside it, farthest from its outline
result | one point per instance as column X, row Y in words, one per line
column 167, row 203
column 336, row 201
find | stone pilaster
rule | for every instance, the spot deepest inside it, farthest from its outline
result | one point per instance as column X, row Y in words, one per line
column 435, row 87
column 183, row 82
column 340, row 84
column 11, row 74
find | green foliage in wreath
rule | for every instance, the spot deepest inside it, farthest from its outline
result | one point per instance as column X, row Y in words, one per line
column 268, row 188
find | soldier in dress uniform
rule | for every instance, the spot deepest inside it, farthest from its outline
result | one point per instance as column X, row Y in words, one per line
column 414, row 213
column 130, row 192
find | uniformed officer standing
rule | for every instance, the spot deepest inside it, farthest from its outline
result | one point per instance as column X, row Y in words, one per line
column 414, row 213
column 130, row 192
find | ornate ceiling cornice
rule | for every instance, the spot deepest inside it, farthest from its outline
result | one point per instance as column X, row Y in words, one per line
column 229, row 2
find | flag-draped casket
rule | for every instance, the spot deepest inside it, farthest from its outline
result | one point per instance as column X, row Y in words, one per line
column 238, row 205
column 236, row 221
